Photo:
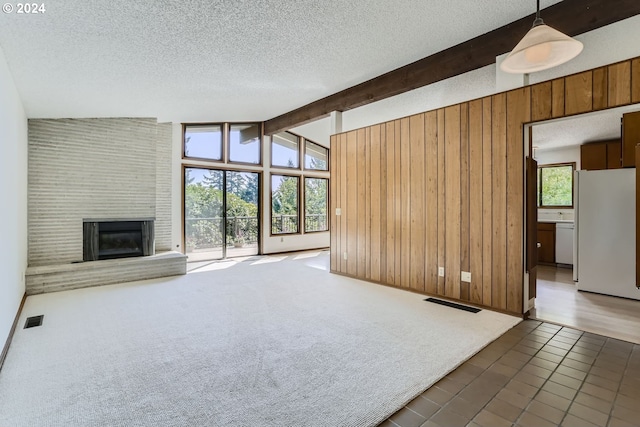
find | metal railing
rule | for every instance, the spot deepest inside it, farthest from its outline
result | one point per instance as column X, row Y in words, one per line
column 206, row 233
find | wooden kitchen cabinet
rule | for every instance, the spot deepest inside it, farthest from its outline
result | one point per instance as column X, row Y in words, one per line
column 600, row 155
column 593, row 156
column 630, row 137
column 614, row 154
column 547, row 240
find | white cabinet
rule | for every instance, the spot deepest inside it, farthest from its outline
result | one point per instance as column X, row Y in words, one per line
column 564, row 243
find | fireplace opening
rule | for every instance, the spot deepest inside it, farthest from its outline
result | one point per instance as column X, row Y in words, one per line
column 117, row 239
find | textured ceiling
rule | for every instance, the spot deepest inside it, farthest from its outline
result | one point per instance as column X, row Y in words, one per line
column 224, row 60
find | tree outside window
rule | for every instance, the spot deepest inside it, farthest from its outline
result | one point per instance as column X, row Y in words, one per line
column 315, row 204
column 284, row 204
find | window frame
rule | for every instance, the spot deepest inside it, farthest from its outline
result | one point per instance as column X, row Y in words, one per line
column 301, row 139
column 227, row 143
column 304, row 179
column 299, row 204
column 204, row 159
column 539, row 187
column 304, row 156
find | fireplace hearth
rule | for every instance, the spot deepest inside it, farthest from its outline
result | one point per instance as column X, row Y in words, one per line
column 117, row 238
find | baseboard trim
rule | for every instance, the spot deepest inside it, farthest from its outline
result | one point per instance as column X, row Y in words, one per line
column 5, row 349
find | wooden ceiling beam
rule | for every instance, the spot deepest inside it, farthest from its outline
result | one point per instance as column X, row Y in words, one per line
column 571, row 17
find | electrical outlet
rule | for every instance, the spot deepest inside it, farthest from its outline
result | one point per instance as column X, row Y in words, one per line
column 465, row 276
column 338, row 211
column 344, row 255
column 441, row 271
column 281, row 239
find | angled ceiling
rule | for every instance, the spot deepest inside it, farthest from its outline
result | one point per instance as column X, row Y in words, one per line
column 225, row 60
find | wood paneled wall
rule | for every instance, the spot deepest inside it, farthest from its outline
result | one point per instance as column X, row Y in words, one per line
column 445, row 188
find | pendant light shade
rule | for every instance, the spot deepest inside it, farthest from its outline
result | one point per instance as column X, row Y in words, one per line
column 541, row 48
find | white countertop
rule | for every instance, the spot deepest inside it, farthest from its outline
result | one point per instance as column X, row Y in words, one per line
column 556, row 220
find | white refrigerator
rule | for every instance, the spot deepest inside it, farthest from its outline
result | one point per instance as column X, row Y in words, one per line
column 605, row 234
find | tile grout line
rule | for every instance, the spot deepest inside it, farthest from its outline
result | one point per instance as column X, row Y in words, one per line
column 548, row 378
column 615, row 399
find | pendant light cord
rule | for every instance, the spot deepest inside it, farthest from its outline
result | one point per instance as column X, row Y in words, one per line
column 538, row 20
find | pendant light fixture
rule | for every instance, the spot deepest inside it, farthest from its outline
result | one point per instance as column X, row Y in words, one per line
column 541, row 48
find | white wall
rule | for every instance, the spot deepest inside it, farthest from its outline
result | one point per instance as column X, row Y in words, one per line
column 13, row 193
column 558, row 155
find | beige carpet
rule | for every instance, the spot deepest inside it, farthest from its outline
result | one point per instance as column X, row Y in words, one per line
column 276, row 341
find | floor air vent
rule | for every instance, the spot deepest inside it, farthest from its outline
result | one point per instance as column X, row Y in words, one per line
column 34, row 321
column 453, row 305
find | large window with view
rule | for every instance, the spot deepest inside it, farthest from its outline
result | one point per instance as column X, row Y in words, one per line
column 226, row 179
column 284, row 204
column 315, row 204
column 555, row 185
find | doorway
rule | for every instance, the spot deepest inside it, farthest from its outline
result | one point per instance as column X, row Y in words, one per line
column 560, row 297
column 221, row 213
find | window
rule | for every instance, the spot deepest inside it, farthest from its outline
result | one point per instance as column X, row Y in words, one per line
column 244, row 143
column 555, row 185
column 315, row 204
column 285, row 150
column 203, row 142
column 315, row 156
column 284, row 204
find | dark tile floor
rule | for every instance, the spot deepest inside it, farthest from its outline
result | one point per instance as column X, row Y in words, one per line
column 536, row 375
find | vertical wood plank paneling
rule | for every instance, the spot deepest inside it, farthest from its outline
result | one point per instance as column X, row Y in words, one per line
column 360, row 230
column 333, row 204
column 374, row 191
column 398, row 215
column 367, row 205
column 383, row 204
column 518, row 112
column 416, row 214
column 600, row 88
column 405, row 206
column 391, row 203
column 431, row 199
column 475, row 199
column 452, row 201
column 578, row 93
column 499, row 164
column 487, row 201
column 441, row 200
column 635, row 80
column 557, row 97
column 446, row 188
column 465, row 262
column 352, row 203
column 343, row 202
column 619, row 84
column 541, row 101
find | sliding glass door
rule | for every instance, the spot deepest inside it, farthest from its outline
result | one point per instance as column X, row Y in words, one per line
column 221, row 212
